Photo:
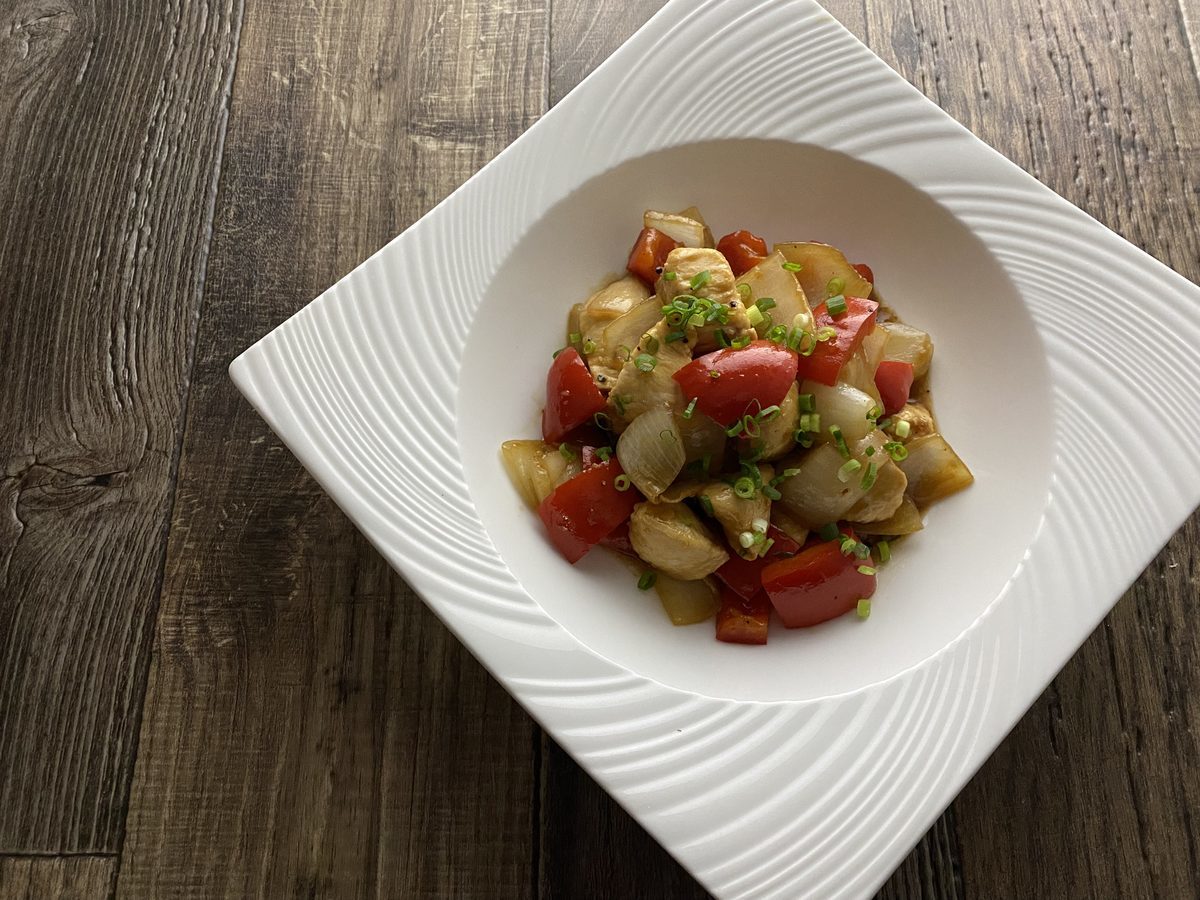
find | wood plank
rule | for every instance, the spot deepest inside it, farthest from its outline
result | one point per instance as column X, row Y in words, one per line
column 311, row 729
column 112, row 126
column 56, row 877
column 1100, row 103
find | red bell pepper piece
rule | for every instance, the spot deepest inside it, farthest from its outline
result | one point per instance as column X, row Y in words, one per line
column 649, row 252
column 741, row 620
column 742, row 250
column 728, row 384
column 584, row 510
column 865, row 271
column 817, row 584
column 744, row 576
column 849, row 330
column 571, row 396
column 893, row 380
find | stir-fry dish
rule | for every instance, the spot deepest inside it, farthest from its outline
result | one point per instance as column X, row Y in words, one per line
column 752, row 430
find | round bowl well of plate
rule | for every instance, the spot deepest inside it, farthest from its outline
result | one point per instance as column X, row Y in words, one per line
column 989, row 381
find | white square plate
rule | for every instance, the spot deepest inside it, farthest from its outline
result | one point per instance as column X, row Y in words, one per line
column 1064, row 377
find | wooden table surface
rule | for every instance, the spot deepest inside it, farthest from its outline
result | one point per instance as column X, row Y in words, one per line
column 211, row 686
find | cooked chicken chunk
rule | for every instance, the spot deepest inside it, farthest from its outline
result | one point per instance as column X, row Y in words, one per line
column 737, row 515
column 671, row 538
column 637, row 390
column 919, row 419
column 700, row 272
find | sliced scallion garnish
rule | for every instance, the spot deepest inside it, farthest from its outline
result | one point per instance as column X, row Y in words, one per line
column 847, row 470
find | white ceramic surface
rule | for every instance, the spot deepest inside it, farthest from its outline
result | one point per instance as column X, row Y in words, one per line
column 811, row 766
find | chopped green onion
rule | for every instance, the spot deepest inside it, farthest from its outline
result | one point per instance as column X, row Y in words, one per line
column 736, row 428
column 862, row 551
column 589, row 346
column 574, row 338
column 778, row 334
column 705, row 462
column 835, row 286
column 714, row 374
column 744, row 290
column 836, row 305
column 767, row 545
column 803, row 440
column 902, row 429
column 746, row 539
column 848, row 544
column 722, row 339
column 554, row 355
column 602, row 421
column 883, row 423
column 650, row 343
column 874, row 413
column 808, row 403
column 810, row 422
column 768, row 414
column 839, row 441
column 691, row 408
column 885, row 551
column 826, row 333
column 700, row 279
column 870, row 451
column 759, row 525
column 765, row 303
column 696, row 320
column 750, row 426
column 866, row 570
column 621, row 482
column 793, row 267
column 645, row 362
column 567, row 452
column 673, row 336
column 740, row 343
column 744, row 488
column 754, row 314
column 784, row 475
column 667, row 435
column 848, row 469
column 670, row 276
column 864, row 608
column 868, row 479
column 647, row 580
column 770, row 492
column 829, row 531
column 624, row 352
column 604, row 453
column 707, row 504
column 896, row 450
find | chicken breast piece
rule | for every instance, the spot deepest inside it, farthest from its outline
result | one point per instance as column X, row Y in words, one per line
column 671, row 538
column 689, row 264
column 637, row 391
column 737, row 515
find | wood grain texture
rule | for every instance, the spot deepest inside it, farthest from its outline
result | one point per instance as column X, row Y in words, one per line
column 56, row 877
column 110, row 134
column 311, row 729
